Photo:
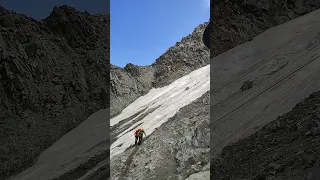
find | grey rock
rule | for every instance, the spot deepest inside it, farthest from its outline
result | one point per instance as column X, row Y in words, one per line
column 308, row 133
column 246, row 85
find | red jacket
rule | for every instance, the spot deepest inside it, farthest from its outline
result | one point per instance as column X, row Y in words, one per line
column 137, row 131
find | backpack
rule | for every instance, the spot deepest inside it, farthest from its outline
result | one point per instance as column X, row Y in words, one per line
column 137, row 131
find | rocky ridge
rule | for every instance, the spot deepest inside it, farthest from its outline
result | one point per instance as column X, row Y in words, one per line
column 54, row 73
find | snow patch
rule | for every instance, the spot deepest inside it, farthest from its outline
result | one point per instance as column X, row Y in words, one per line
column 167, row 101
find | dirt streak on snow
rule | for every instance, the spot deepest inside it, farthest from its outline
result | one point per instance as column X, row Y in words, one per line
column 167, row 101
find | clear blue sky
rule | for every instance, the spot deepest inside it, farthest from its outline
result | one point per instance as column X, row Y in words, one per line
column 40, row 9
column 142, row 30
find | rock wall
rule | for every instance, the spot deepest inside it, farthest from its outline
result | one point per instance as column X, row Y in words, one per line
column 54, row 73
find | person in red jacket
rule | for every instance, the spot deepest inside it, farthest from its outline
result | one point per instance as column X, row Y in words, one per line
column 138, row 135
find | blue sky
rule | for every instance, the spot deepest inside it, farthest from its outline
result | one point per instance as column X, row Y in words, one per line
column 40, row 9
column 143, row 30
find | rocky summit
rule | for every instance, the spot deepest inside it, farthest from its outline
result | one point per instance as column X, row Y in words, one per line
column 54, row 73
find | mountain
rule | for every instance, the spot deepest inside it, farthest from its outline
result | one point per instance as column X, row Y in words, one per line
column 54, row 74
column 176, row 121
column 236, row 70
column 131, row 82
column 154, row 97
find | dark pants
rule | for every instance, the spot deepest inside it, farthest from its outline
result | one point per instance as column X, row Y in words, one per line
column 138, row 138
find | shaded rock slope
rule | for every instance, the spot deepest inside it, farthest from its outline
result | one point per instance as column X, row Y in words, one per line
column 263, row 79
column 54, row 73
column 288, row 148
column 131, row 82
column 82, row 153
column 236, row 21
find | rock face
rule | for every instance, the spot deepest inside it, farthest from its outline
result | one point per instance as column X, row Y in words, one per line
column 235, row 22
column 54, row 73
column 287, row 148
column 127, row 84
column 131, row 82
column 186, row 56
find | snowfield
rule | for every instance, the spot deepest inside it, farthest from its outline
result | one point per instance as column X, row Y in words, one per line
column 166, row 101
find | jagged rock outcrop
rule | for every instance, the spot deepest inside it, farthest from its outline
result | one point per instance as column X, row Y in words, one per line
column 186, row 56
column 131, row 82
column 235, row 22
column 54, row 73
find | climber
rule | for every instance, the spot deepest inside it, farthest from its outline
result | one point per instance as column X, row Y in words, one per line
column 138, row 134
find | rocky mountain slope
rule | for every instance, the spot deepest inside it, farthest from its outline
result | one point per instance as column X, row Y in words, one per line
column 287, row 148
column 131, row 82
column 261, row 80
column 178, row 148
column 54, row 73
column 230, row 28
column 174, row 129
column 236, row 21
column 233, row 22
column 80, row 154
column 127, row 84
